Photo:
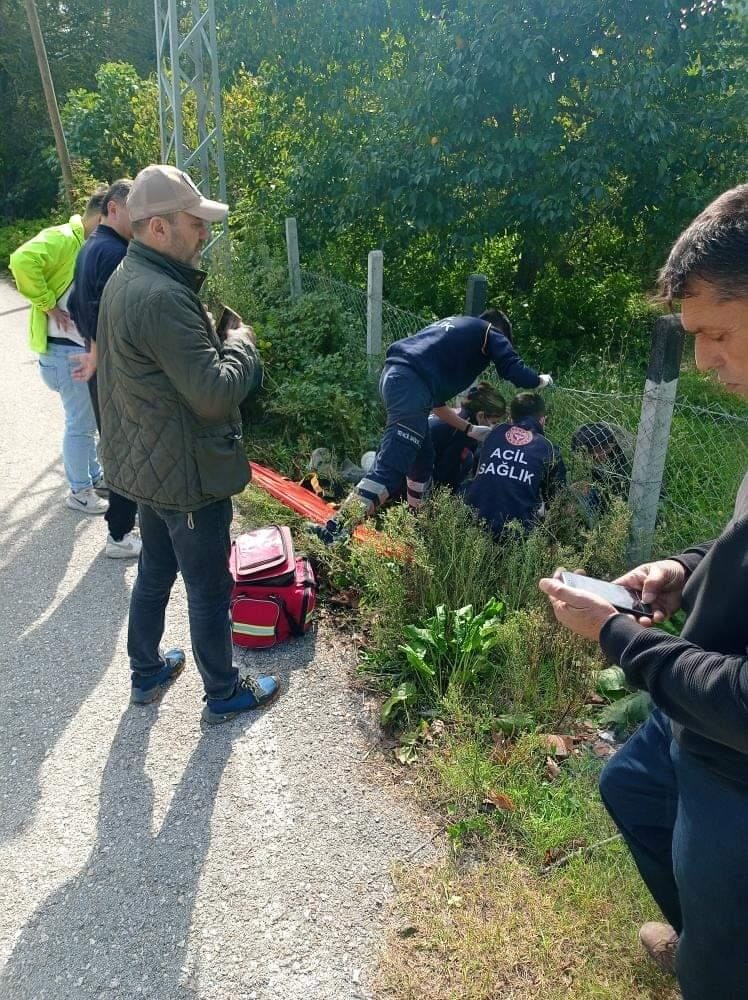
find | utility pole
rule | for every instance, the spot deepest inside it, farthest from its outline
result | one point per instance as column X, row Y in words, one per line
column 49, row 94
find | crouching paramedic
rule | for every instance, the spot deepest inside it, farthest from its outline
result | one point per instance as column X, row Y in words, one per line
column 420, row 374
column 454, row 451
column 519, row 469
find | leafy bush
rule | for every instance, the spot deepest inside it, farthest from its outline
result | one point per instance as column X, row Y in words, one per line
column 114, row 128
column 15, row 233
column 317, row 389
column 517, row 663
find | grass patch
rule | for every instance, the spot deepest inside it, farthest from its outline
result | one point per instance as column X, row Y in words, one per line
column 499, row 926
column 423, row 612
column 500, row 930
column 255, row 509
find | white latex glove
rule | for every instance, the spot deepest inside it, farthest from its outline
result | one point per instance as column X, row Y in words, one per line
column 545, row 381
column 479, row 432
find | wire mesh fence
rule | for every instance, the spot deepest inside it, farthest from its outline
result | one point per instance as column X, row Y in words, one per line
column 396, row 322
column 706, row 461
column 707, row 449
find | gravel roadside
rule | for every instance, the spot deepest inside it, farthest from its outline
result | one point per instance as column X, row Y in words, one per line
column 139, row 856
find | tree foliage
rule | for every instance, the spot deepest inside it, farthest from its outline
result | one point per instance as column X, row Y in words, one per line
column 557, row 147
column 79, row 36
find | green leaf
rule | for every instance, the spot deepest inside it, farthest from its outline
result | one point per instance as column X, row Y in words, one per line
column 405, row 694
column 611, row 683
column 628, row 712
column 510, row 725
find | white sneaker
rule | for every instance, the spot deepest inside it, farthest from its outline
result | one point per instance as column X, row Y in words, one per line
column 86, row 502
column 128, row 547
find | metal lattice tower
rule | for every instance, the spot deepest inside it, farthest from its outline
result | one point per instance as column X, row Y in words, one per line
column 189, row 93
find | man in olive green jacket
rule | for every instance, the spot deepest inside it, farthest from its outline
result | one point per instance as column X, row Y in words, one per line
column 43, row 272
column 169, row 394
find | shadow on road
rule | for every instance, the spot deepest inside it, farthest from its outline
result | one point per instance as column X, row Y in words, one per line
column 120, row 928
column 56, row 646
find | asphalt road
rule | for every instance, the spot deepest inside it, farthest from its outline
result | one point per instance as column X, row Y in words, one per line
column 139, row 856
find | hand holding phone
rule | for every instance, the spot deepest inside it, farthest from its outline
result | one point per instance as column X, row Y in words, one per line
column 622, row 598
column 228, row 321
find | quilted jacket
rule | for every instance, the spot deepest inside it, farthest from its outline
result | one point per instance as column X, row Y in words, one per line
column 169, row 390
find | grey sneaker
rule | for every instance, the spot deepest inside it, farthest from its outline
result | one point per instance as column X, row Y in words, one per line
column 86, row 502
column 661, row 943
column 128, row 547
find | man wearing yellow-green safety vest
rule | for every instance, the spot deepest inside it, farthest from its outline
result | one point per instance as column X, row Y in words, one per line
column 43, row 271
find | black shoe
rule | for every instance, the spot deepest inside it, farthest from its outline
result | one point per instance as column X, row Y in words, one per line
column 148, row 689
column 329, row 534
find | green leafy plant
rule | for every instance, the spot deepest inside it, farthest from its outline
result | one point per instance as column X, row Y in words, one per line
column 449, row 654
column 627, row 712
column 627, row 709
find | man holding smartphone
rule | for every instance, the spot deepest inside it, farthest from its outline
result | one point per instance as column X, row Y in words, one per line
column 170, row 391
column 678, row 790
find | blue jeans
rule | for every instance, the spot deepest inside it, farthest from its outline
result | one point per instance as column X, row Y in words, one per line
column 406, row 450
column 79, row 454
column 687, row 829
column 198, row 545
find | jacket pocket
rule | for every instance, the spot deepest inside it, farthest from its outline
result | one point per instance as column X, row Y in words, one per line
column 221, row 462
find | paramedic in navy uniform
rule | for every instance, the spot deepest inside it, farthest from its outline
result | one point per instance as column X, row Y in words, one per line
column 420, row 374
column 518, row 468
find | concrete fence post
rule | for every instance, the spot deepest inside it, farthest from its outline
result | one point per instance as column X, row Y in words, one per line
column 476, row 294
column 292, row 250
column 653, row 435
column 374, row 286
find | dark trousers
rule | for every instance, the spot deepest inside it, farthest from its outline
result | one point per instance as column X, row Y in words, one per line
column 198, row 545
column 687, row 829
column 121, row 514
column 406, row 451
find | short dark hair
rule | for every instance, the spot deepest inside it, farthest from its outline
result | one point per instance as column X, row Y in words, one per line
column 117, row 191
column 499, row 320
column 95, row 204
column 527, row 404
column 140, row 225
column 484, row 398
column 714, row 248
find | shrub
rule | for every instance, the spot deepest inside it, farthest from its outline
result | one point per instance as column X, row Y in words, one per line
column 317, row 389
column 13, row 234
column 524, row 664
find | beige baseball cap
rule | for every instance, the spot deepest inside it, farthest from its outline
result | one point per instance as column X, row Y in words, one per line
column 161, row 189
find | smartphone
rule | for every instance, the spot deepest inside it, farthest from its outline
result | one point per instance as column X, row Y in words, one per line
column 622, row 599
column 229, row 319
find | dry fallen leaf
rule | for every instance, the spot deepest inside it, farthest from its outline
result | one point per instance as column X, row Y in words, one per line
column 345, row 599
column 551, row 768
column 556, row 745
column 602, row 749
column 499, row 801
column 554, row 854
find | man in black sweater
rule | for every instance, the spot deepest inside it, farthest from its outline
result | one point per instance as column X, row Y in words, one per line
column 678, row 790
column 95, row 264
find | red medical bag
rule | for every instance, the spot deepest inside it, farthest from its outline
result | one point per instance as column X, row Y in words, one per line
column 274, row 589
